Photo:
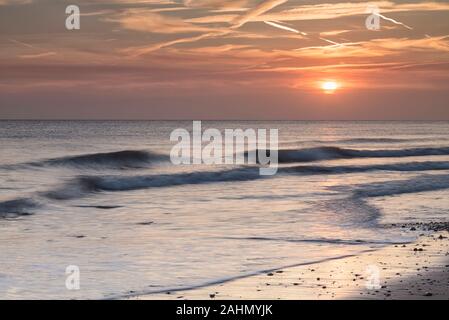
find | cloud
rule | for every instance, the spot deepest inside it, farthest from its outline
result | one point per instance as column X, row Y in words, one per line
column 37, row 55
column 148, row 21
column 319, row 11
column 174, row 25
column 220, row 4
column 256, row 11
column 13, row 2
column 142, row 50
column 377, row 47
column 218, row 49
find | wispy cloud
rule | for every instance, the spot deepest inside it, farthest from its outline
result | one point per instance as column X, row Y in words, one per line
column 37, row 55
column 148, row 21
column 12, row 2
column 34, row 48
column 255, row 12
column 217, row 4
column 377, row 47
column 22, row 43
column 142, row 50
column 321, row 11
column 163, row 24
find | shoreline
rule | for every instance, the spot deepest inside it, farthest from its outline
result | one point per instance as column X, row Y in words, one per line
column 418, row 270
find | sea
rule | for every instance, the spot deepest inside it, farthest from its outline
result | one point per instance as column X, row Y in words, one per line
column 101, row 201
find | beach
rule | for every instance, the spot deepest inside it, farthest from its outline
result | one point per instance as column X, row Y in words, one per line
column 419, row 270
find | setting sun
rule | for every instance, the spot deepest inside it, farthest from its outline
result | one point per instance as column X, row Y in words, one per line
column 329, row 86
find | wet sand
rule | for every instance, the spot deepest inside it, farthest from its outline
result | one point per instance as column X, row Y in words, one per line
column 418, row 270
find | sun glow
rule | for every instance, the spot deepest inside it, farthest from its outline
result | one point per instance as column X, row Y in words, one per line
column 329, row 86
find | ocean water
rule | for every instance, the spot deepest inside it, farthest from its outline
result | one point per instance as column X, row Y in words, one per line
column 104, row 196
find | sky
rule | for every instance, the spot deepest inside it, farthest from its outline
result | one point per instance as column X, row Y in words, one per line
column 236, row 59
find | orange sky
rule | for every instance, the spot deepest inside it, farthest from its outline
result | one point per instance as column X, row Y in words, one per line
column 238, row 59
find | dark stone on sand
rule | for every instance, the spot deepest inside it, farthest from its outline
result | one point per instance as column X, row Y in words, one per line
column 212, row 295
column 428, row 294
column 270, row 274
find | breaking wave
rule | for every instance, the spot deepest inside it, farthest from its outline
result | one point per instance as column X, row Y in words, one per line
column 88, row 184
column 408, row 166
column 83, row 185
column 320, row 240
column 413, row 185
column 332, row 153
column 108, row 160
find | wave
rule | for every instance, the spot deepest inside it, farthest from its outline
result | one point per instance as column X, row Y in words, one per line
column 17, row 207
column 322, row 240
column 414, row 185
column 87, row 184
column 136, row 293
column 376, row 140
column 407, row 166
column 356, row 209
column 83, row 185
column 103, row 207
column 388, row 140
column 108, row 160
column 333, row 153
column 119, row 159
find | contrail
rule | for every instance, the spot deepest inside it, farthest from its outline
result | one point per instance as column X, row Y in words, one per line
column 394, row 21
column 256, row 11
column 280, row 26
column 22, row 43
column 331, row 42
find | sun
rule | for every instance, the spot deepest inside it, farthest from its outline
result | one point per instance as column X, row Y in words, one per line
column 329, row 86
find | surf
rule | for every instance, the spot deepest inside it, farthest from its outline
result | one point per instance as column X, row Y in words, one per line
column 335, row 153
